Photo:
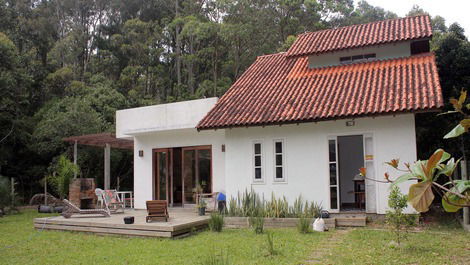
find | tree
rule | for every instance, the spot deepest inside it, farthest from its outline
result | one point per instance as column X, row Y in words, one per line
column 395, row 217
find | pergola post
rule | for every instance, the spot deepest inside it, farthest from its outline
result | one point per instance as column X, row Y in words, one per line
column 107, row 166
column 466, row 210
column 75, row 153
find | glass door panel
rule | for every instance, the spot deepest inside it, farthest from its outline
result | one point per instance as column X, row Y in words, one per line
column 189, row 175
column 204, row 169
column 197, row 171
column 162, row 173
column 333, row 174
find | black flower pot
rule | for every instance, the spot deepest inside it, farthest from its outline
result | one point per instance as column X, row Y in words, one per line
column 202, row 211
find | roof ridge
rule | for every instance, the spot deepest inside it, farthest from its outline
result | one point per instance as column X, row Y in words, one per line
column 271, row 54
column 368, row 23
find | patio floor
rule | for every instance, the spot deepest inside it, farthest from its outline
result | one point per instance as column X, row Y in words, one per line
column 181, row 222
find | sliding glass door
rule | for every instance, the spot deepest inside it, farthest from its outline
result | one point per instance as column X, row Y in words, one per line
column 197, row 172
column 162, row 173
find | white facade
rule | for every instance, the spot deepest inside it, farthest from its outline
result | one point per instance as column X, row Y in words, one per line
column 306, row 146
column 382, row 52
column 143, row 166
column 306, row 153
column 167, row 126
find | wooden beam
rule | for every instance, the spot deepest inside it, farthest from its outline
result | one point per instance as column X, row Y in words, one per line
column 75, row 153
column 107, row 166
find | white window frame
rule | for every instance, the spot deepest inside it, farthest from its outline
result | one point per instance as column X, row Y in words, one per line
column 283, row 166
column 253, row 155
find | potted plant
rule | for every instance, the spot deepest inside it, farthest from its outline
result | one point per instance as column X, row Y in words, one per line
column 201, row 206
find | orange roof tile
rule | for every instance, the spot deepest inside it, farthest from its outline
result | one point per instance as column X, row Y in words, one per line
column 355, row 36
column 276, row 89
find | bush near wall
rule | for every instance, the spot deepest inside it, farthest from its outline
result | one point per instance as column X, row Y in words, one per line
column 249, row 203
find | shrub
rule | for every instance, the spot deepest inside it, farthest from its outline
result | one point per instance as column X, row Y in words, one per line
column 64, row 171
column 216, row 222
column 303, row 225
column 251, row 204
column 270, row 244
column 257, row 223
column 398, row 221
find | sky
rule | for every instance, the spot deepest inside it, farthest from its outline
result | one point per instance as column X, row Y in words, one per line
column 451, row 10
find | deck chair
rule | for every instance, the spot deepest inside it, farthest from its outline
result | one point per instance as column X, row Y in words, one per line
column 210, row 199
column 157, row 209
column 70, row 209
column 111, row 200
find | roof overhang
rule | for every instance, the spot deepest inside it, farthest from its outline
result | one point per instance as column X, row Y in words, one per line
column 101, row 140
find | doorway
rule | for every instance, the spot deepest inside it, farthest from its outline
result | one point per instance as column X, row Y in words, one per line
column 181, row 172
column 347, row 187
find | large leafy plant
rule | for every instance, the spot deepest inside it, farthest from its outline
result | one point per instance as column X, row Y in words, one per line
column 427, row 173
column 455, row 193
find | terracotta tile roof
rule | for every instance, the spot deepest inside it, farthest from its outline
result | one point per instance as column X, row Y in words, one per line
column 276, row 89
column 362, row 35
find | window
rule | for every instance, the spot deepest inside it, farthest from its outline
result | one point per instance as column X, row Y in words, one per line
column 418, row 47
column 257, row 161
column 357, row 58
column 279, row 172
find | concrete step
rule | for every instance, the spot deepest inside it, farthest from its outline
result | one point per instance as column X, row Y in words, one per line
column 351, row 221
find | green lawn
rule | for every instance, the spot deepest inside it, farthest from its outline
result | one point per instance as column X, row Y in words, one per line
column 21, row 244
column 433, row 246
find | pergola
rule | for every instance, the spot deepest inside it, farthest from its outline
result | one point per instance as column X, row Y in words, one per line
column 104, row 140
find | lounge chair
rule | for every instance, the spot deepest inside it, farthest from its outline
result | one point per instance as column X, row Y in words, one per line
column 157, row 209
column 111, row 200
column 70, row 209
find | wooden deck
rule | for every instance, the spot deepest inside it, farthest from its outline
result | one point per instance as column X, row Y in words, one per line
column 181, row 222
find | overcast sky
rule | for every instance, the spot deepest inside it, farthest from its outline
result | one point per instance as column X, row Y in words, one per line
column 452, row 10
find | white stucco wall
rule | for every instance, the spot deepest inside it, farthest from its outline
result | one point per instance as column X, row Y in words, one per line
column 143, row 174
column 306, row 158
column 384, row 51
column 171, row 116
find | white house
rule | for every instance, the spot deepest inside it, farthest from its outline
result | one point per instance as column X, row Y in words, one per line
column 301, row 122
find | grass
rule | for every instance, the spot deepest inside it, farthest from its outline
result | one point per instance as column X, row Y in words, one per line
column 241, row 246
column 435, row 245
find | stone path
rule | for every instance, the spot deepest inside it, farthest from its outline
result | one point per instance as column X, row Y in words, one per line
column 319, row 255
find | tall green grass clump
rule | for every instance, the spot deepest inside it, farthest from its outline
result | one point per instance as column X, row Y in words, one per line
column 216, row 222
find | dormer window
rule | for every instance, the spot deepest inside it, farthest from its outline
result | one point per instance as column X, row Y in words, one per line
column 357, row 58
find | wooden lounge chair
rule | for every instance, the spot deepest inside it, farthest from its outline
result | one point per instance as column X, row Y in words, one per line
column 157, row 209
column 70, row 209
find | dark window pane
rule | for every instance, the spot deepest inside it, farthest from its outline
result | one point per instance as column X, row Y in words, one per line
column 278, row 147
column 278, row 160
column 332, row 148
column 346, row 59
column 357, row 57
column 369, row 56
column 279, row 172
column 257, row 148
column 257, row 173
column 419, row 47
column 257, row 161
column 332, row 174
column 333, row 198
